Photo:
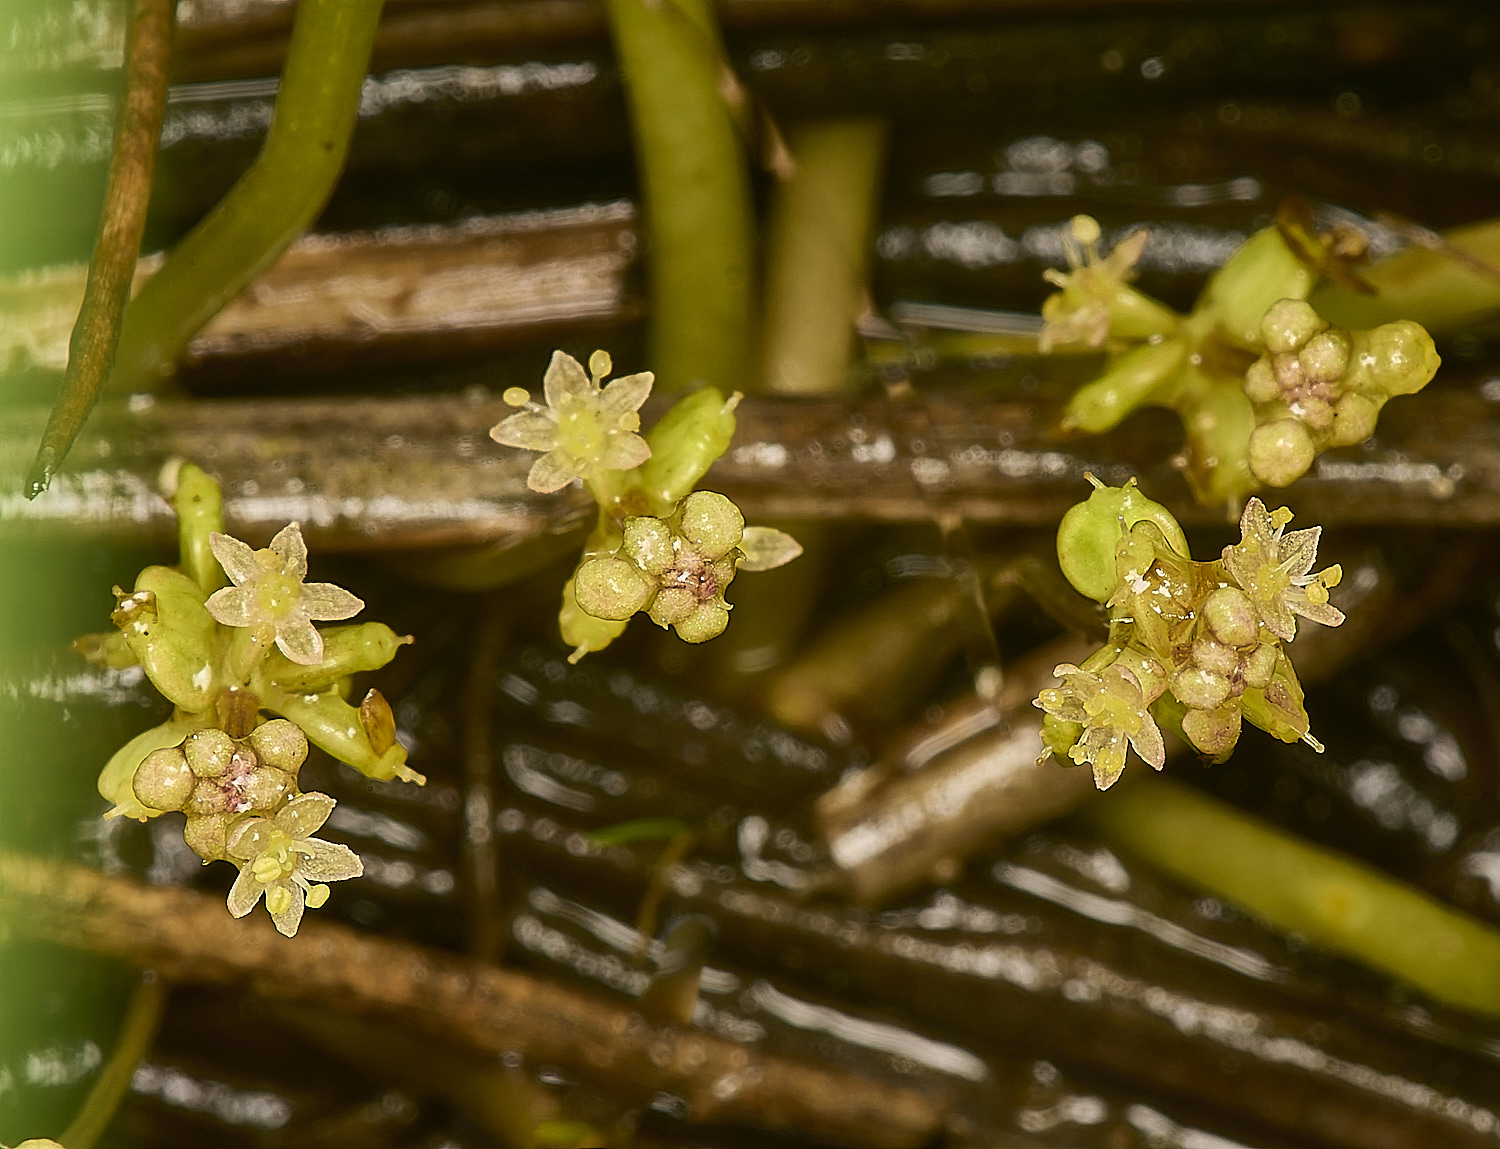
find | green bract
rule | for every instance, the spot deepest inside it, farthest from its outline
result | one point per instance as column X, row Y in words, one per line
column 1193, row 646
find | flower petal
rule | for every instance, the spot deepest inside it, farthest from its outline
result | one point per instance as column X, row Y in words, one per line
column 529, row 430
column 1255, row 523
column 299, row 640
column 1323, row 612
column 291, row 550
column 245, row 892
column 1277, row 617
column 624, row 395
column 232, row 606
column 1298, row 551
column 290, row 918
column 329, row 862
column 623, row 451
column 565, row 380
column 552, row 472
column 305, row 814
column 328, row 603
column 237, row 559
column 1148, row 744
column 766, row 548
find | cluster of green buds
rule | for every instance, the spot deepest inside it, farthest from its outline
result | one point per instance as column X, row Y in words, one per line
column 658, row 546
column 1259, row 380
column 1318, row 387
column 1197, row 647
column 252, row 682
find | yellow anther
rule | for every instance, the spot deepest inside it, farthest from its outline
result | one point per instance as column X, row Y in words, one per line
column 516, row 396
column 316, row 896
column 267, row 868
column 1280, row 517
column 1085, row 229
column 278, row 900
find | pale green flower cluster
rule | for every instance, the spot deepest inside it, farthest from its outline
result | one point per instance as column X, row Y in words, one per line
column 1260, row 381
column 658, row 546
column 252, row 682
column 1197, row 647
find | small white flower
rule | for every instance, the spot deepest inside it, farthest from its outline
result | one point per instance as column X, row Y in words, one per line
column 269, row 594
column 280, row 859
column 1081, row 312
column 583, row 426
column 1272, row 569
column 1112, row 709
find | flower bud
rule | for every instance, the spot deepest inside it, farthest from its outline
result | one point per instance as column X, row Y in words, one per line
column 1260, row 666
column 1288, row 324
column 1213, row 655
column 707, row 621
column 711, row 523
column 1200, row 689
column 1397, row 358
column 1325, row 357
column 1261, row 384
column 1213, row 732
column 263, row 789
column 164, row 781
column 1280, row 452
column 610, row 588
column 1231, row 616
column 672, row 605
column 648, row 544
column 205, row 835
column 1354, row 420
column 1091, row 531
column 281, row 744
column 1288, row 371
column 208, row 752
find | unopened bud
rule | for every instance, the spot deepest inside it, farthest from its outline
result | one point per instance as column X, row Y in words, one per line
column 1280, row 452
column 1288, row 324
column 264, row 788
column 164, row 781
column 1398, row 358
column 648, row 544
column 1325, row 357
column 711, row 523
column 1213, row 732
column 1231, row 616
column 706, row 622
column 1354, row 420
column 610, row 588
column 1261, row 384
column 1200, row 689
column 208, row 752
column 281, row 744
column 205, row 835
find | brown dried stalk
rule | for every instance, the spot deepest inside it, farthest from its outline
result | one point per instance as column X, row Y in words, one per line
column 188, row 936
column 126, row 194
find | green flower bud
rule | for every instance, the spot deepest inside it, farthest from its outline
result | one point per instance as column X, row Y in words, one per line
column 1231, row 616
column 117, row 779
column 1260, row 666
column 1288, row 324
column 1261, row 384
column 684, row 444
column 1325, row 357
column 164, row 781
column 648, row 544
column 263, row 789
column 672, row 605
column 346, row 650
column 1281, row 452
column 1127, row 384
column 1213, row 733
column 281, row 744
column 209, row 752
column 1213, row 655
column 711, row 523
column 1395, row 358
column 171, row 634
column 205, row 835
column 334, row 726
column 610, row 588
column 1353, row 420
column 707, row 621
column 583, row 631
column 1091, row 531
column 1200, row 689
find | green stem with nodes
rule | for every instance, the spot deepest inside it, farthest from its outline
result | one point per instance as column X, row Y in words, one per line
column 696, row 187
column 818, row 255
column 272, row 204
column 138, row 1031
column 1330, row 899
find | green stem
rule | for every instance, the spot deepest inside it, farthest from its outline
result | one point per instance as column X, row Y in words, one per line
column 1331, row 900
column 273, row 203
column 200, row 512
column 818, row 255
column 136, row 1035
column 696, row 189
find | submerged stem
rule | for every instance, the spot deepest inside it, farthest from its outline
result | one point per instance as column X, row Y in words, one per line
column 138, row 1031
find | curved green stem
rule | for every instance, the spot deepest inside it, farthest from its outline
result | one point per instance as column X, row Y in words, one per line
column 136, row 1035
column 696, row 187
column 1331, row 900
column 273, row 203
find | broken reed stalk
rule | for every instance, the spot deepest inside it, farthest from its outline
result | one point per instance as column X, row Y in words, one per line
column 188, row 936
column 127, row 191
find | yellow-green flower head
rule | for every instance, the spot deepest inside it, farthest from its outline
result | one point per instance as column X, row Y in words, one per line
column 1111, row 706
column 583, row 426
column 1272, row 568
column 279, row 858
column 1091, row 289
column 270, row 596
